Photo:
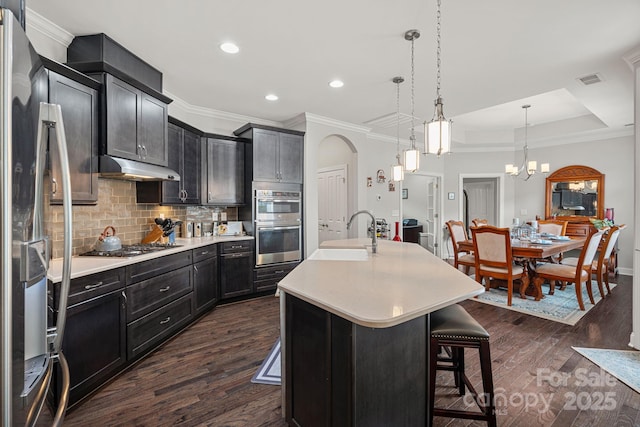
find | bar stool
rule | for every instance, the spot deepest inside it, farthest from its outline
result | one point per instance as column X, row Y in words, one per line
column 453, row 328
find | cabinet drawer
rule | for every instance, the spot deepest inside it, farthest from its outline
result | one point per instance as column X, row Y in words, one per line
column 94, row 285
column 238, row 246
column 579, row 230
column 148, row 295
column 267, row 278
column 155, row 327
column 204, row 252
column 153, row 267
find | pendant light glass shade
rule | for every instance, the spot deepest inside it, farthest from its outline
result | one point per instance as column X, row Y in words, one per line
column 398, row 173
column 412, row 158
column 438, row 132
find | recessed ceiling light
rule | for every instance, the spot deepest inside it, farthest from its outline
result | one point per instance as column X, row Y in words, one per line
column 336, row 83
column 230, row 47
column 271, row 97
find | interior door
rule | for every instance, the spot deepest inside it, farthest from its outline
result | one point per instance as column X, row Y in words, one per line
column 332, row 203
column 482, row 196
column 431, row 224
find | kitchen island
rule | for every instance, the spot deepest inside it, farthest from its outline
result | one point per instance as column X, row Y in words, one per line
column 354, row 332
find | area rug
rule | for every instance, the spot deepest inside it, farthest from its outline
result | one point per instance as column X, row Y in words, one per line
column 561, row 307
column 622, row 364
column 269, row 371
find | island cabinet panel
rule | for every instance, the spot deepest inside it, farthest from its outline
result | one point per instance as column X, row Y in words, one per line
column 95, row 333
column 338, row 373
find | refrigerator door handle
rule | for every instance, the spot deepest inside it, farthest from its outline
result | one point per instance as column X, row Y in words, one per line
column 51, row 117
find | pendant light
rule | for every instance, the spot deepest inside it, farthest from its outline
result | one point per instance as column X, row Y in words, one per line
column 398, row 170
column 529, row 167
column 437, row 132
column 412, row 155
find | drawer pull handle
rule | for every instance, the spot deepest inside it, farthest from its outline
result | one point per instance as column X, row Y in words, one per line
column 279, row 271
column 195, row 268
column 236, row 247
column 96, row 285
column 204, row 252
column 165, row 289
column 165, row 321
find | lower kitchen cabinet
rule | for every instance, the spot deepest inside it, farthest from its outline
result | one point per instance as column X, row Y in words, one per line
column 267, row 278
column 236, row 265
column 95, row 333
column 205, row 278
column 149, row 331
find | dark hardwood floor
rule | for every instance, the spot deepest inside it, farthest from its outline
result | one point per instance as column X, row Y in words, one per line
column 202, row 377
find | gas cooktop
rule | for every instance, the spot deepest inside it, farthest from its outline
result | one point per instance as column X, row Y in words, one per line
column 132, row 250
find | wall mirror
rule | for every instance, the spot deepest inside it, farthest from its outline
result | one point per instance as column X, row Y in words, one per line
column 575, row 193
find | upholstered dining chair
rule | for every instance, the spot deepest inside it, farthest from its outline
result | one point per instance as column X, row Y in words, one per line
column 600, row 266
column 576, row 274
column 458, row 233
column 492, row 251
column 478, row 222
column 551, row 226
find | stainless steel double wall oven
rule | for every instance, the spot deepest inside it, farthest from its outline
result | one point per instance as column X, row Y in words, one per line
column 277, row 213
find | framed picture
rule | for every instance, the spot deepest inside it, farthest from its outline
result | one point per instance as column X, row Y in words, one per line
column 405, row 193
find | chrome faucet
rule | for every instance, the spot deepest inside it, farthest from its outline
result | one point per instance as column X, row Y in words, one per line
column 374, row 239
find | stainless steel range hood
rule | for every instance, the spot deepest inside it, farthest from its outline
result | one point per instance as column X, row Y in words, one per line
column 116, row 167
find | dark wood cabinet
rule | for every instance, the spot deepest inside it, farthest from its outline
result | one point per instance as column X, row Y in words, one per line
column 95, row 332
column 134, row 123
column 205, row 278
column 276, row 155
column 223, row 171
column 184, row 151
column 236, row 267
column 78, row 99
column 411, row 233
column 267, row 278
column 145, row 296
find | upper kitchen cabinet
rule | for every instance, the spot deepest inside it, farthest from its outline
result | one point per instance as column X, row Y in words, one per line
column 184, row 146
column 134, row 123
column 77, row 96
column 280, row 153
column 223, row 171
column 133, row 109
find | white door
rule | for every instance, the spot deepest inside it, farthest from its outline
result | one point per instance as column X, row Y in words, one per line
column 481, row 196
column 332, row 203
column 431, row 224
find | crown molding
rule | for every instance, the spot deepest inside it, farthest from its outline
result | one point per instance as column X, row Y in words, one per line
column 39, row 23
column 314, row 118
column 218, row 114
column 632, row 58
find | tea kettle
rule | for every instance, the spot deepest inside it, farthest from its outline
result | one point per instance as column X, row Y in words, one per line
column 108, row 241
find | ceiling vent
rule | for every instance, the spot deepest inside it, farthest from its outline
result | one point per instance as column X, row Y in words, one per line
column 590, row 79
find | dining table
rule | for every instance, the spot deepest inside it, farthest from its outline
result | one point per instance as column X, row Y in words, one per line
column 528, row 252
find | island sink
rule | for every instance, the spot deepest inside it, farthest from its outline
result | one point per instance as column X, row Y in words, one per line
column 346, row 254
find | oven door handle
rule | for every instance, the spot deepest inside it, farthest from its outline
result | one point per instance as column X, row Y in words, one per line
column 293, row 227
column 280, row 200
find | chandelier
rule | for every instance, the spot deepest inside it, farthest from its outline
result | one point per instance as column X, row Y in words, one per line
column 398, row 169
column 528, row 167
column 437, row 132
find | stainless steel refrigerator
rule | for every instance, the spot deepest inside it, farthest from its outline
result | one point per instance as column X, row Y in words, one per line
column 28, row 346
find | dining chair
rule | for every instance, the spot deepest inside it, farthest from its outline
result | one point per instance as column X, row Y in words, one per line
column 478, row 222
column 458, row 233
column 576, row 274
column 600, row 266
column 552, row 226
column 492, row 251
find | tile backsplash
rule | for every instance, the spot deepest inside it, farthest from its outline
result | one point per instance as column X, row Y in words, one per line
column 116, row 207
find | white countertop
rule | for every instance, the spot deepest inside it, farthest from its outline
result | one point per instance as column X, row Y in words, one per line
column 399, row 283
column 85, row 265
